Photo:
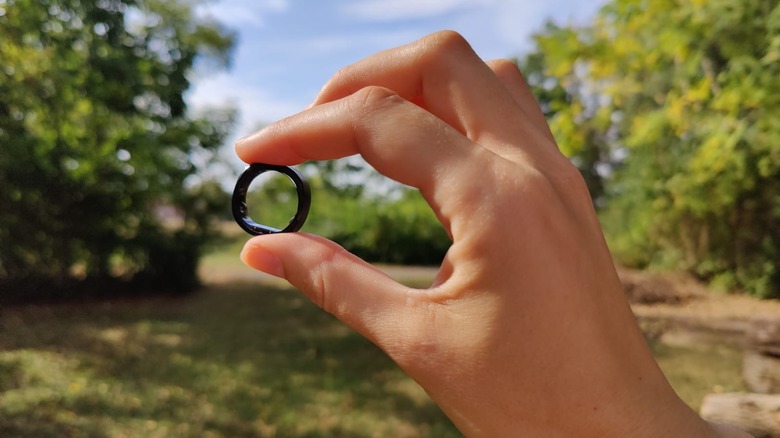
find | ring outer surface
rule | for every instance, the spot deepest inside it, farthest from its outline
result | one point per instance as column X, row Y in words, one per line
column 240, row 209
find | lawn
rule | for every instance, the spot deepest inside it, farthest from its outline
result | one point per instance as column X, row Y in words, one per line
column 242, row 357
column 238, row 360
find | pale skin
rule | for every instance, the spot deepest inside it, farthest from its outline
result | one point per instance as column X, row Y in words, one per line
column 526, row 331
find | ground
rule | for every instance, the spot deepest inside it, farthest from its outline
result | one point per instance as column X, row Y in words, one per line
column 250, row 356
column 697, row 334
column 676, row 299
column 680, row 301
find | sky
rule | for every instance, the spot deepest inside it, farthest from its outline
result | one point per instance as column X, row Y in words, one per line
column 287, row 49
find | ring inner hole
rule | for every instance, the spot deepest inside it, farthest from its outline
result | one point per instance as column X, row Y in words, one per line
column 272, row 199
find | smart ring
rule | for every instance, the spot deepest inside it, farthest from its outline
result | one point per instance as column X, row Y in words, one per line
column 240, row 210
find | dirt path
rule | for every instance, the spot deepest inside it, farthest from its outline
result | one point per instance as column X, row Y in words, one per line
column 679, row 301
column 719, row 313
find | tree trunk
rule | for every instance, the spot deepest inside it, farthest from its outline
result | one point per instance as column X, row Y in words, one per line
column 757, row 414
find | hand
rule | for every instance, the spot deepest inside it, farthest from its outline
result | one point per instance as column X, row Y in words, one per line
column 526, row 331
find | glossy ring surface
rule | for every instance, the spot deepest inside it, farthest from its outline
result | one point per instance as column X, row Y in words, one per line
column 240, row 210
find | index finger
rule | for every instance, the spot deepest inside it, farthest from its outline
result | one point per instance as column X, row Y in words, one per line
column 445, row 75
column 399, row 139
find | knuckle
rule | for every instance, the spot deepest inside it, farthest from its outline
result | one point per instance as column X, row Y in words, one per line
column 370, row 98
column 316, row 286
column 447, row 40
column 319, row 283
column 504, row 66
column 443, row 46
column 370, row 109
column 566, row 178
column 342, row 75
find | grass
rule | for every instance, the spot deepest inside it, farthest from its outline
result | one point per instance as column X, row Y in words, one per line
column 237, row 359
column 700, row 367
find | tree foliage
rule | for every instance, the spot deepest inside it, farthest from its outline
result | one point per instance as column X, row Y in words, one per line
column 96, row 140
column 395, row 225
column 673, row 105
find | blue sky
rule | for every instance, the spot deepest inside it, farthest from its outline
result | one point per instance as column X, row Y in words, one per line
column 287, row 49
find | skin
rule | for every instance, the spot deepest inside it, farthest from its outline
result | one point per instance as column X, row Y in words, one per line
column 526, row 330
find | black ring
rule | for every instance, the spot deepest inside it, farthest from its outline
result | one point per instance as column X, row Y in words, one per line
column 240, row 211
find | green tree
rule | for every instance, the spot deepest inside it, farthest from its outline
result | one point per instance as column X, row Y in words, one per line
column 356, row 207
column 96, row 140
column 573, row 110
column 683, row 96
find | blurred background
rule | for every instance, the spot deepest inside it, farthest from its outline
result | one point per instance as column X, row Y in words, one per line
column 125, row 309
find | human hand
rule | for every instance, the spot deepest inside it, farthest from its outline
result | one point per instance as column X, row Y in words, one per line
column 525, row 331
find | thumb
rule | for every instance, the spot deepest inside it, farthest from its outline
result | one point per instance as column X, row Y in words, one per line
column 360, row 295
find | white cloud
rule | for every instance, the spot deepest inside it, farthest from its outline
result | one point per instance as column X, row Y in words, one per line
column 276, row 73
column 255, row 104
column 391, row 10
column 238, row 13
column 516, row 21
column 318, row 47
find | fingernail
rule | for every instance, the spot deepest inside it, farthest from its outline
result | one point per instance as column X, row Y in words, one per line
column 263, row 260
